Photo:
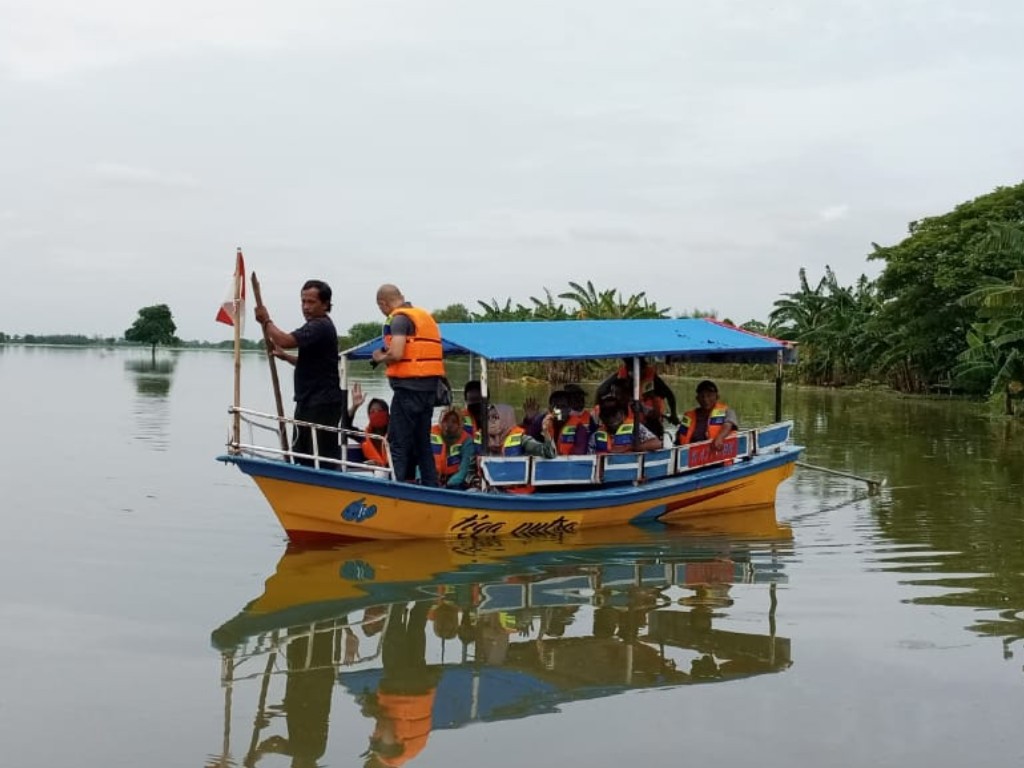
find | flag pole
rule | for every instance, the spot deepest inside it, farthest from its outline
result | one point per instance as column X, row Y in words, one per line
column 281, row 429
column 239, row 284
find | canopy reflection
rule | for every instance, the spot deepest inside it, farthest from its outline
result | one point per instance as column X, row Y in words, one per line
column 429, row 635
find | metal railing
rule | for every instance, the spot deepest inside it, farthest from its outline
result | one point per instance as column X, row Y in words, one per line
column 500, row 471
column 262, row 440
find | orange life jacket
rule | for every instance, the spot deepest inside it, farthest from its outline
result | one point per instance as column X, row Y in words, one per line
column 373, row 449
column 688, row 424
column 567, row 437
column 620, row 442
column 647, row 375
column 469, row 425
column 410, row 715
column 447, row 458
column 513, row 446
column 422, row 354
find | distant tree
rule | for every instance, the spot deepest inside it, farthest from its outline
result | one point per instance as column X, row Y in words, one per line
column 836, row 327
column 359, row 333
column 944, row 258
column 495, row 313
column 755, row 326
column 609, row 304
column 698, row 312
column 153, row 326
column 995, row 346
column 546, row 309
column 453, row 313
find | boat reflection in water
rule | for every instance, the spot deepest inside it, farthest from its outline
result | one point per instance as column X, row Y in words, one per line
column 429, row 635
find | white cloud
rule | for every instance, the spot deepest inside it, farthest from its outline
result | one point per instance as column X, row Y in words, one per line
column 834, row 212
column 135, row 176
column 467, row 149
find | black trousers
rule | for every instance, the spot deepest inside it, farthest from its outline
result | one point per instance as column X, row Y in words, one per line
column 412, row 413
column 327, row 444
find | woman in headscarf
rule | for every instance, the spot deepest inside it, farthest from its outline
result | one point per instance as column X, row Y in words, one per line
column 379, row 414
column 506, row 438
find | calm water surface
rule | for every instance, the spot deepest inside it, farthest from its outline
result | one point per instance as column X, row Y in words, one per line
column 152, row 613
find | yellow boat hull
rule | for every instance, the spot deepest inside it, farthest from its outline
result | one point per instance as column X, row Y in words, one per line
column 317, row 505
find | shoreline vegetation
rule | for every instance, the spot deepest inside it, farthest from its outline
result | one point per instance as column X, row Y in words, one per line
column 944, row 317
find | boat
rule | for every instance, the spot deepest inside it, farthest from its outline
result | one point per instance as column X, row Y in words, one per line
column 348, row 499
column 494, row 629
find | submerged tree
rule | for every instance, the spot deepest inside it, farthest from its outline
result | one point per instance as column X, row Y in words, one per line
column 153, row 326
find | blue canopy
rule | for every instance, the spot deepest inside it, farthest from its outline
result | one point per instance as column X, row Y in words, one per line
column 690, row 339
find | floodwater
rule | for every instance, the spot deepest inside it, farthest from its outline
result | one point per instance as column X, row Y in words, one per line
column 152, row 613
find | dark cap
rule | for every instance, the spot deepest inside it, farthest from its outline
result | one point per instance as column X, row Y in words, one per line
column 707, row 386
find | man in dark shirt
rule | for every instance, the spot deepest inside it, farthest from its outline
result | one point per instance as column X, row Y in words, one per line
column 318, row 395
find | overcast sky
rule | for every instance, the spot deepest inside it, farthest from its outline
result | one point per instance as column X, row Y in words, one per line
column 464, row 149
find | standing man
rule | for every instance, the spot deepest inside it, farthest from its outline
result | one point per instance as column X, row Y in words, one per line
column 412, row 352
column 318, row 395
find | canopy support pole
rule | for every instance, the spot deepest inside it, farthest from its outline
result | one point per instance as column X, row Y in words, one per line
column 346, row 422
column 484, row 428
column 636, row 407
column 778, row 386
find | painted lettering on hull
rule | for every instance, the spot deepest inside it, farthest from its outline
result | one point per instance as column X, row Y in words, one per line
column 477, row 526
column 701, row 453
column 556, row 527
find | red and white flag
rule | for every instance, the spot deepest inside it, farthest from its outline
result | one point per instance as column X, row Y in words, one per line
column 226, row 313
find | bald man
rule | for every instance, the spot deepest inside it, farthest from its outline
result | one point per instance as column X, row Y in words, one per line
column 412, row 353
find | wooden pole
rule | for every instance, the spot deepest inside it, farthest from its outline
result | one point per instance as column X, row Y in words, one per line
column 261, row 716
column 874, row 486
column 281, row 429
column 236, row 426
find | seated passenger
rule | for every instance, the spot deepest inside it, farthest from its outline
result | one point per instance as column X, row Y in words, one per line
column 533, row 416
column 615, row 435
column 376, row 430
column 505, row 438
column 619, row 391
column 654, row 392
column 658, row 400
column 454, row 451
column 567, row 428
column 472, row 394
column 711, row 420
column 577, row 398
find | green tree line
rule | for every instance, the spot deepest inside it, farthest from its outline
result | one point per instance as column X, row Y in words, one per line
column 946, row 312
